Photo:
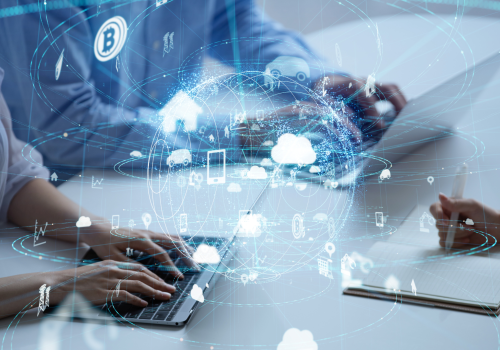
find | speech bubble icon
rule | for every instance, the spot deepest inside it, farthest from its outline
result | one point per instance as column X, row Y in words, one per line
column 430, row 180
column 330, row 248
column 244, row 279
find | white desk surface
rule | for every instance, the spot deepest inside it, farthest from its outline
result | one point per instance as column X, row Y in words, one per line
column 256, row 316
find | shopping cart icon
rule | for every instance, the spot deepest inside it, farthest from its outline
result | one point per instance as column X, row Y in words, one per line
column 324, row 267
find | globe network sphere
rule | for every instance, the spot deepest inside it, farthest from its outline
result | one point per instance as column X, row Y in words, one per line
column 240, row 117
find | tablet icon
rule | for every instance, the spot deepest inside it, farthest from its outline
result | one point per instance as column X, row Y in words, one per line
column 379, row 219
column 216, row 167
column 115, row 222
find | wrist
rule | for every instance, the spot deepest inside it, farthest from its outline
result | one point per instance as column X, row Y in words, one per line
column 58, row 289
column 92, row 234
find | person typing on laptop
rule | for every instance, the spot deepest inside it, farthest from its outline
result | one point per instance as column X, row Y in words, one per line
column 27, row 199
column 474, row 217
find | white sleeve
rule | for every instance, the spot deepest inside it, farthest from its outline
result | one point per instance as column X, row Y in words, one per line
column 19, row 162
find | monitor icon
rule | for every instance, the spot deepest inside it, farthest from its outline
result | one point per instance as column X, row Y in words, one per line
column 216, row 167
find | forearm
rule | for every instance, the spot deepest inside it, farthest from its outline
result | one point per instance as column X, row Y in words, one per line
column 21, row 292
column 39, row 201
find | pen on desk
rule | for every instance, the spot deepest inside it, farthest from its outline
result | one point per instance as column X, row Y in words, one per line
column 457, row 192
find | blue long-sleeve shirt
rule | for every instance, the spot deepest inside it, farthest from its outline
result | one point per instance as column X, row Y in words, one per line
column 96, row 114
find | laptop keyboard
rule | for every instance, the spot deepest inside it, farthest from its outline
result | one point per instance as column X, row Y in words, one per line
column 162, row 310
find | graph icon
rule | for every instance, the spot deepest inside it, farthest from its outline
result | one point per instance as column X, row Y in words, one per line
column 97, row 184
column 38, row 233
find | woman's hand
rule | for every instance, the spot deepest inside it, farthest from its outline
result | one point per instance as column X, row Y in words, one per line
column 113, row 243
column 354, row 89
column 485, row 219
column 98, row 283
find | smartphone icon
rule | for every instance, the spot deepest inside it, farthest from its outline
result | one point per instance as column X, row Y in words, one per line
column 183, row 222
column 115, row 222
column 379, row 219
column 216, row 167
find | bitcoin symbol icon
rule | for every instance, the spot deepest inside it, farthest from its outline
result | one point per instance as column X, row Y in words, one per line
column 110, row 39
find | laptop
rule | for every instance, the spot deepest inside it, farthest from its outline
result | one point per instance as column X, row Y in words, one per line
column 427, row 118
column 180, row 308
column 423, row 120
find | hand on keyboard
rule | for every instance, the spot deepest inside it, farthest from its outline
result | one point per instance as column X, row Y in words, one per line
column 110, row 281
column 114, row 243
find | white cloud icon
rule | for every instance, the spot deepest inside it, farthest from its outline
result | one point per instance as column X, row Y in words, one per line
column 391, row 283
column 300, row 186
column 266, row 162
column 320, row 217
column 206, row 254
column 256, row 172
column 469, row 222
column 294, row 339
column 255, row 127
column 291, row 149
column 268, row 143
column 250, row 225
column 234, row 187
column 197, row 294
column 83, row 221
column 136, row 154
column 314, row 169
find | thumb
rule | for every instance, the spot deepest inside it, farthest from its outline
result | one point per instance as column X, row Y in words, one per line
column 454, row 204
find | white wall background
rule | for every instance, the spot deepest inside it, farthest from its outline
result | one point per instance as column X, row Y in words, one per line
column 308, row 16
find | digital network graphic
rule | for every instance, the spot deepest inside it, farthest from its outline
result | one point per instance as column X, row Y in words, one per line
column 209, row 139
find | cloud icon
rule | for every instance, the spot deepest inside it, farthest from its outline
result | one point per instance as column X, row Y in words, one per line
column 391, row 283
column 197, row 294
column 83, row 221
column 255, row 127
column 320, row 217
column 291, row 149
column 266, row 162
column 256, row 172
column 294, row 339
column 206, row 254
column 268, row 143
column 469, row 222
column 136, row 154
column 250, row 225
column 234, row 187
column 314, row 169
column 300, row 186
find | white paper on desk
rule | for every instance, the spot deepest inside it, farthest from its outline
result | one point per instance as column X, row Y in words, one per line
column 468, row 279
